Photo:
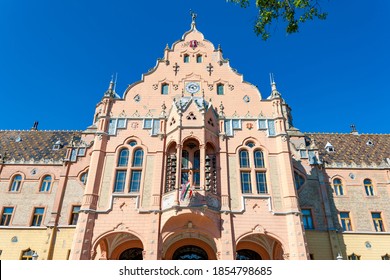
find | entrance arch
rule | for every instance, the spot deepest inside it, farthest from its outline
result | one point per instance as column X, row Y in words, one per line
column 190, row 252
column 118, row 246
column 184, row 248
column 259, row 247
column 131, row 254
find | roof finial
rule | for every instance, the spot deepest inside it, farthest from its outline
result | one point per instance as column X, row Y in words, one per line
column 193, row 16
column 274, row 91
column 111, row 88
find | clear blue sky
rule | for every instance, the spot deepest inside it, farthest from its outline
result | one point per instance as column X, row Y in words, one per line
column 57, row 58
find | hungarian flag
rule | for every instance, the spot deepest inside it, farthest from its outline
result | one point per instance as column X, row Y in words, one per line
column 185, row 191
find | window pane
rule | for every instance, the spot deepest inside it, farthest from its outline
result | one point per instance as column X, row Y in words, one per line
column 307, row 219
column 220, row 89
column 123, row 157
column 121, row 123
column 196, row 180
column 135, row 182
column 246, row 186
column 244, row 159
column 6, row 216
column 196, row 160
column 259, row 159
column 184, row 177
column 46, row 183
column 138, row 158
column 16, row 183
column 164, row 89
column 186, row 58
column 199, row 59
column 148, row 123
column 262, row 124
column 236, row 124
column 156, row 127
column 185, row 159
column 112, row 127
column 271, row 127
column 261, row 182
column 120, row 179
column 228, row 128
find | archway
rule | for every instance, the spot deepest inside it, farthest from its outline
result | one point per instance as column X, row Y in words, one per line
column 132, row 254
column 190, row 252
column 190, row 248
column 259, row 247
column 118, row 246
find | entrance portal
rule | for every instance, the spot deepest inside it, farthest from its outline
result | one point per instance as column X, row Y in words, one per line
column 246, row 254
column 131, row 254
column 190, row 252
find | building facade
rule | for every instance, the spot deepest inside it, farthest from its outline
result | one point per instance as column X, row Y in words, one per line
column 193, row 163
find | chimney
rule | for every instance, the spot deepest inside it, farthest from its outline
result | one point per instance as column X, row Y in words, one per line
column 353, row 130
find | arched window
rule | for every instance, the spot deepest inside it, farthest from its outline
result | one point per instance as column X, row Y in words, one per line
column 136, row 170
column 46, row 184
column 186, row 58
column 220, row 89
column 28, row 255
column 259, row 159
column 258, row 172
column 338, row 187
column 298, row 180
column 16, row 183
column 244, row 159
column 138, row 158
column 185, row 157
column 196, row 167
column 164, row 89
column 123, row 158
column 199, row 58
column 368, row 187
column 84, row 177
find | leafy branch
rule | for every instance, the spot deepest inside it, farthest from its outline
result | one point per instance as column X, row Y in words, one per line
column 293, row 12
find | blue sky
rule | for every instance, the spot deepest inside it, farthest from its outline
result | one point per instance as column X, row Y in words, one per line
column 57, row 58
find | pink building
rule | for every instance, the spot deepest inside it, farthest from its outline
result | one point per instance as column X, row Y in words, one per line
column 194, row 163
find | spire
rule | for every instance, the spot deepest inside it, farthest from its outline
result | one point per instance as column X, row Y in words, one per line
column 193, row 16
column 110, row 92
column 274, row 91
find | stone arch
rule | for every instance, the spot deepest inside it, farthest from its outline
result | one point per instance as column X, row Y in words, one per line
column 189, row 229
column 110, row 245
column 267, row 246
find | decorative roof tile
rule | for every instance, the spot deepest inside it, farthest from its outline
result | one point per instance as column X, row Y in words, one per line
column 33, row 145
column 353, row 148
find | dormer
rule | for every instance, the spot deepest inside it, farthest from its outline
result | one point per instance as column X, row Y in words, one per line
column 329, row 148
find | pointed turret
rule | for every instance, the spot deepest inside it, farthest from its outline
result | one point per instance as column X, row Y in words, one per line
column 274, row 91
column 110, row 92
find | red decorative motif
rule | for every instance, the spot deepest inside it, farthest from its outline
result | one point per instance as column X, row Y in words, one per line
column 249, row 125
column 193, row 44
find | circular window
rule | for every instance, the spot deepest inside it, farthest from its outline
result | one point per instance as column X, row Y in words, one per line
column 132, row 143
column 250, row 144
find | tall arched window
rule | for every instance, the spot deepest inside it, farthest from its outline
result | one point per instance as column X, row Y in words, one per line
column 199, row 58
column 244, row 159
column 16, row 183
column 136, row 170
column 195, row 168
column 338, row 187
column 252, row 167
column 123, row 158
column 46, row 184
column 259, row 159
column 368, row 187
column 245, row 172
column 186, row 58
